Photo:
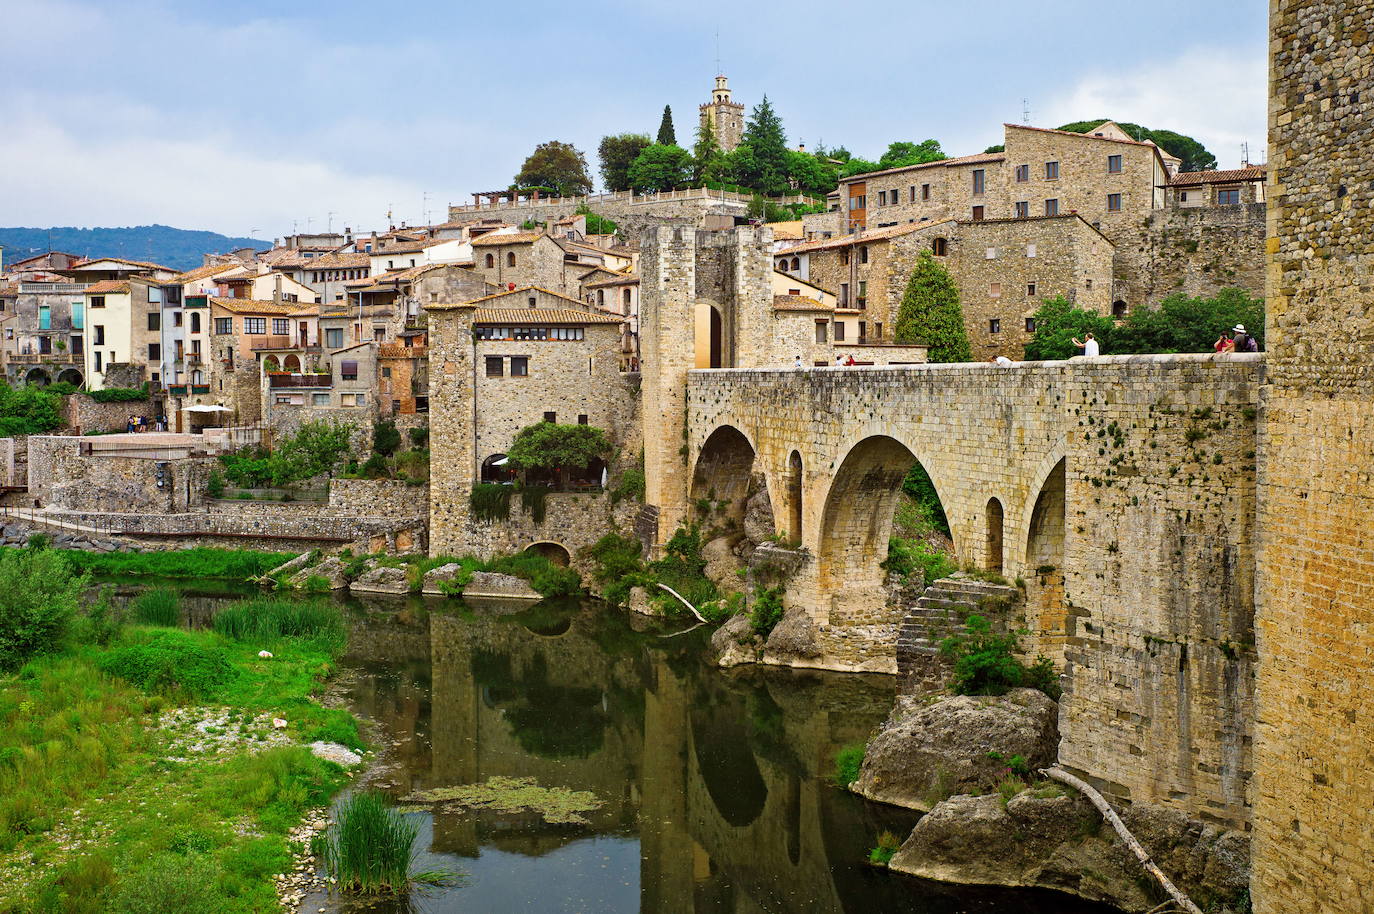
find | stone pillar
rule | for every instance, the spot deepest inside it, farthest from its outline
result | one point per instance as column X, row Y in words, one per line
column 452, row 389
column 1313, row 820
column 753, row 300
column 666, row 341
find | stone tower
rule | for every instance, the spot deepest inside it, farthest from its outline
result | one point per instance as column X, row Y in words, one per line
column 1313, row 822
column 726, row 116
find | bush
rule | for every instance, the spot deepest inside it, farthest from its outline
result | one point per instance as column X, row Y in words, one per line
column 908, row 558
column 370, row 847
column 1058, row 322
column 1042, row 675
column 375, row 467
column 315, row 449
column 40, row 596
column 214, row 486
column 767, row 611
column 930, row 312
column 269, row 618
column 848, row 762
column 171, row 884
column 120, row 394
column 882, row 853
column 419, row 437
column 918, row 486
column 102, row 622
column 385, row 438
column 238, row 564
column 159, row 606
column 490, row 502
column 28, row 410
column 550, row 446
column 984, row 663
column 631, row 485
column 543, row 575
column 171, row 661
column 617, row 562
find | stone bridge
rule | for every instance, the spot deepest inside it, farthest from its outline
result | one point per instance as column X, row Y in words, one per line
column 1119, row 491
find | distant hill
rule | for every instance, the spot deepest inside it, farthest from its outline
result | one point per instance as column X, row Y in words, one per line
column 172, row 247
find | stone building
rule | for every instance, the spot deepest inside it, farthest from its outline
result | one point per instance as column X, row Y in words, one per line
column 1313, row 825
column 725, row 116
column 44, row 330
column 125, row 318
column 1191, row 189
column 239, row 330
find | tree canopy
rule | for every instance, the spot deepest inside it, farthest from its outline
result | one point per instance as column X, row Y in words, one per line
column 558, row 166
column 28, row 410
column 667, row 136
column 661, row 168
column 1057, row 323
column 761, row 159
column 1176, row 324
column 617, row 153
column 1194, row 155
column 930, row 313
column 550, row 446
column 901, row 154
column 706, row 154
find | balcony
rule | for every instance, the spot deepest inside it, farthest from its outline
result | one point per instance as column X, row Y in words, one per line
column 200, row 388
column 176, row 390
column 276, row 341
column 277, row 381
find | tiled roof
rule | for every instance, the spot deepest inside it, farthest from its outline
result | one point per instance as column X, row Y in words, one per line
column 142, row 264
column 799, row 303
column 1192, row 178
column 251, row 306
column 522, row 291
column 975, row 159
column 337, row 261
column 627, row 279
column 108, row 287
column 204, row 272
column 516, row 238
column 844, row 241
column 1107, row 139
column 10, row 290
column 410, row 246
column 541, row 316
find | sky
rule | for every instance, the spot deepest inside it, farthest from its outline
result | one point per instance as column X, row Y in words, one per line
column 257, row 118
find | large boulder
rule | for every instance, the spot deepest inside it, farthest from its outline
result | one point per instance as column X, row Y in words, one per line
column 505, row 586
column 640, row 603
column 793, row 639
column 437, row 576
column 925, row 753
column 382, row 579
column 735, row 643
column 758, row 516
column 722, row 565
column 330, row 568
column 1052, row 838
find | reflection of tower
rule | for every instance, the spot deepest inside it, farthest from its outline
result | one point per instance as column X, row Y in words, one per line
column 726, row 116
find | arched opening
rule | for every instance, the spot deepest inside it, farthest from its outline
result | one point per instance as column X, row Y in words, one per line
column 794, row 496
column 71, row 376
column 992, row 557
column 38, row 377
column 495, row 469
column 269, row 363
column 555, row 553
column 796, row 264
column 490, row 261
column 510, row 258
column 292, row 364
column 1044, row 573
column 627, row 301
column 724, row 484
column 708, row 333
column 782, row 263
column 195, row 321
column 1118, row 308
column 725, row 761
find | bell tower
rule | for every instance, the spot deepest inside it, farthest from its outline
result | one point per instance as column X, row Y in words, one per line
column 725, row 115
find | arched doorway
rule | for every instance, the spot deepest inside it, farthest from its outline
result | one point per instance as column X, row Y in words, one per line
column 70, row 376
column 1044, row 574
column 291, row 363
column 716, row 340
column 38, row 377
column 495, row 469
column 722, row 478
column 794, row 497
column 1118, row 308
column 554, row 552
column 992, row 557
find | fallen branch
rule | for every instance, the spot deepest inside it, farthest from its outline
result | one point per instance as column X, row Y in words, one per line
column 1114, row 820
column 690, row 606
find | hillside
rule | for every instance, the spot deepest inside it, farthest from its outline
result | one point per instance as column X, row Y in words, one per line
column 173, row 247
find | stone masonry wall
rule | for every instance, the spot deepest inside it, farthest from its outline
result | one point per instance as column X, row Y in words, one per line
column 1196, row 252
column 1314, row 828
column 378, row 498
column 632, row 217
column 83, row 414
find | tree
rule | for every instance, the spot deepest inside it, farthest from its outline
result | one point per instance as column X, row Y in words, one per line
column 316, row 448
column 661, row 168
column 706, row 154
column 809, row 174
column 902, row 154
column 550, row 446
column 385, row 438
column 667, row 136
column 28, row 410
column 617, row 153
column 1058, row 322
column 40, row 596
column 1183, row 324
column 856, row 166
column 1193, row 154
column 1000, row 147
column 558, row 166
column 764, row 136
column 930, row 313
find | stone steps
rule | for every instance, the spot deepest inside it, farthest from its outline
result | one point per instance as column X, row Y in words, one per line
column 940, row 612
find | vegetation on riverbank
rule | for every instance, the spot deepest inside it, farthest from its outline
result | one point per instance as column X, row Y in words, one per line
column 140, row 769
column 236, row 564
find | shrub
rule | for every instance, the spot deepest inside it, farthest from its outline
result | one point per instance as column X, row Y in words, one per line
column 550, row 446
column 1042, row 675
column 683, row 568
column 631, row 485
column 767, row 611
column 159, row 606
column 102, row 622
column 617, row 562
column 918, row 486
column 266, row 618
column 385, row 438
column 908, row 558
column 370, row 847
column 886, row 848
column 490, row 502
column 375, row 467
column 40, row 596
column 848, row 762
column 543, row 575
column 419, row 437
column 930, row 312
column 984, row 663
column 239, row 564
column 171, row 884
column 171, row 661
column 28, row 410
column 120, row 394
column 214, row 486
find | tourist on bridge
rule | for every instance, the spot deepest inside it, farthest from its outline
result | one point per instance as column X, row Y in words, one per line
column 1089, row 345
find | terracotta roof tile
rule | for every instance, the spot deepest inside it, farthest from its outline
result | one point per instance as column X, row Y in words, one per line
column 541, row 316
column 516, row 238
column 1193, row 178
column 133, row 263
column 251, row 306
column 628, row 279
column 204, row 272
column 108, row 287
column 337, row 261
column 521, row 291
column 843, row 241
column 799, row 303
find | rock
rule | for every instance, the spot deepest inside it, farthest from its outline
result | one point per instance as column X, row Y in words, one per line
column 333, row 752
column 278, row 724
column 436, row 576
column 640, row 602
column 722, row 565
column 491, row 584
column 291, row 567
column 331, row 568
column 793, row 638
column 265, row 655
column 735, row 643
column 382, row 579
column 1046, row 839
column 926, row 753
column 758, row 516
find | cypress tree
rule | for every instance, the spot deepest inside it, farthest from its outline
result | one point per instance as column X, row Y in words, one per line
column 930, row 313
column 667, row 136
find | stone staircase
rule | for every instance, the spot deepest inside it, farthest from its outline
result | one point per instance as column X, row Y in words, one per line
column 941, row 611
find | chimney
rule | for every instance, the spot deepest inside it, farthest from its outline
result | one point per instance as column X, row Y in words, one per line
column 276, row 293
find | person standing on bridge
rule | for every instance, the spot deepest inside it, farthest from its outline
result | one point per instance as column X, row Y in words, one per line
column 1088, row 345
column 797, row 363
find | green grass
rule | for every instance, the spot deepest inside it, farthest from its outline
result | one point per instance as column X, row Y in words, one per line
column 159, row 606
column 269, row 618
column 370, row 847
column 848, row 761
column 94, row 816
column 238, row 564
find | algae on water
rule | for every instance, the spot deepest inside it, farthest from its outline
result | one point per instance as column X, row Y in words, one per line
column 557, row 805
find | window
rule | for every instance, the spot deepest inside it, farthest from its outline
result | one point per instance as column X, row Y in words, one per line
column 97, row 301
column 1087, row 283
column 280, row 326
column 1030, row 290
column 533, row 301
column 45, row 318
column 495, row 366
column 1051, row 171
column 78, row 315
column 550, row 417
column 994, row 326
column 822, row 331
column 1113, row 203
column 348, row 370
column 980, row 181
column 99, row 334
column 319, row 399
column 844, row 257
column 977, row 214
column 912, row 196
column 862, row 300
column 863, row 254
column 1118, row 309
column 490, row 261
column 1030, row 250
column 882, row 198
column 1228, row 195
column 155, row 352
column 1113, row 165
column 994, row 290
column 939, row 246
column 1022, row 174
column 925, row 191
column 844, row 295
column 510, row 258
column 519, row 366
column 422, row 404
column 581, row 418
column 154, row 295
column 177, row 318
column 352, row 399
column 992, row 254
column 97, row 361
column 255, row 326
column 1022, row 209
column 195, row 321
column 386, row 372
column 1030, row 325
column 379, row 334
column 1051, row 207
column 77, row 347
column 333, row 337
column 154, row 320
column 858, row 202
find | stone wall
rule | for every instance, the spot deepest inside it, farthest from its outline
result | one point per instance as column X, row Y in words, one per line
column 378, row 498
column 1314, row 829
column 632, row 215
column 61, row 477
column 83, row 415
column 1196, row 252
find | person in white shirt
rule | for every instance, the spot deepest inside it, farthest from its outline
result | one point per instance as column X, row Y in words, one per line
column 839, row 361
column 1002, row 360
column 1089, row 345
column 797, row 363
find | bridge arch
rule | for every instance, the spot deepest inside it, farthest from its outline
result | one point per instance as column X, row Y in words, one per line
column 1044, row 563
column 556, row 553
column 724, row 474
column 793, row 479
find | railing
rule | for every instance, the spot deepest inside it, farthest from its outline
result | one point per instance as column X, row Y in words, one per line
column 42, row 358
column 276, row 341
column 176, row 390
column 200, row 388
column 299, row 380
column 694, row 193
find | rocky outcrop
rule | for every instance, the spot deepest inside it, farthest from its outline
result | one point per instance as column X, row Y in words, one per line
column 330, row 568
column 437, row 576
column 286, row 569
column 640, row 603
column 722, row 564
column 758, row 515
column 382, row 579
column 793, row 640
column 505, row 586
column 1045, row 838
column 735, row 643
column 926, row 752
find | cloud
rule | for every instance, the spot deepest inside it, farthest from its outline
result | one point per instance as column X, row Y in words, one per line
column 1218, row 96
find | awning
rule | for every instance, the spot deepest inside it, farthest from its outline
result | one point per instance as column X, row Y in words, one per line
column 206, row 409
column 500, row 463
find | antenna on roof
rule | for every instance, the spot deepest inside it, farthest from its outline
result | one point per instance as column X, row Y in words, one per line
column 717, row 52
column 424, row 207
column 1245, row 154
column 1025, row 111
column 332, row 214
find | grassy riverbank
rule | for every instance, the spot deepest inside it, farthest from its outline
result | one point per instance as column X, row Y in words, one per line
column 238, row 564
column 145, row 774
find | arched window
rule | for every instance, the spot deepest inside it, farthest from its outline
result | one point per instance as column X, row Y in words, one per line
column 993, row 560
column 1118, row 308
column 496, row 469
column 796, row 263
column 195, row 321
column 270, row 364
column 510, row 258
column 939, row 247
column 491, row 261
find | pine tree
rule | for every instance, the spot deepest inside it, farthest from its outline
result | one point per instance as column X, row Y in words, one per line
column 667, row 136
column 930, row 313
column 706, row 152
column 764, row 135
